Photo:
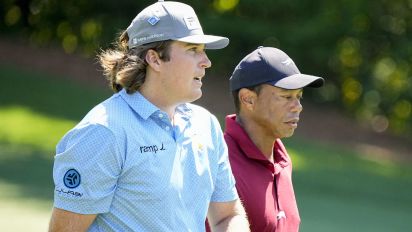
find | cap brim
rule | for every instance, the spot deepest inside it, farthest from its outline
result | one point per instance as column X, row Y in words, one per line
column 210, row 41
column 299, row 81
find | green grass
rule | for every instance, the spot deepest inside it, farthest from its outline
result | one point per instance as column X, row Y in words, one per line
column 36, row 110
column 21, row 125
column 337, row 190
column 26, row 188
column 46, row 94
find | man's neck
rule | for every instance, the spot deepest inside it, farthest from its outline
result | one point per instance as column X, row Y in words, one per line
column 263, row 141
column 156, row 97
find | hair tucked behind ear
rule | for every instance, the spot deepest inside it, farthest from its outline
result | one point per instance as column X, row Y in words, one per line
column 126, row 68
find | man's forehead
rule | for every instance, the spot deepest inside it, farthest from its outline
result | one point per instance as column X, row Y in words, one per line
column 282, row 90
column 185, row 44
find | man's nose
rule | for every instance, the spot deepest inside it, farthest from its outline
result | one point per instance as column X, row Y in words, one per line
column 297, row 106
column 205, row 63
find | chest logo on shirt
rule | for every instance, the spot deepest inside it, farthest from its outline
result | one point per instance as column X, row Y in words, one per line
column 197, row 142
column 151, row 148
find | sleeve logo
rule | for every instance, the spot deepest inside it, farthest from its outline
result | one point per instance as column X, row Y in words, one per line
column 71, row 179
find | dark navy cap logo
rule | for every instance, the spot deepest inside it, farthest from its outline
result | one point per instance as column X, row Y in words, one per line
column 71, row 178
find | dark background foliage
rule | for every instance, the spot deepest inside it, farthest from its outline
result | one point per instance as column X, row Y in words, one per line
column 362, row 48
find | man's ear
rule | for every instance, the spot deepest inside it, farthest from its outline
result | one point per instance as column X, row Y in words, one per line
column 153, row 60
column 247, row 98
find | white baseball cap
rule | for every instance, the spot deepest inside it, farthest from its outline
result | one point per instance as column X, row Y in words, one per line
column 170, row 21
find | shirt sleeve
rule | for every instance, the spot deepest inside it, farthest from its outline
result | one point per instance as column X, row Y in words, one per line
column 86, row 168
column 225, row 189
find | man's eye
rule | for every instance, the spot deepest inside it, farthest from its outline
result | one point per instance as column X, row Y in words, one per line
column 197, row 50
column 288, row 97
column 194, row 49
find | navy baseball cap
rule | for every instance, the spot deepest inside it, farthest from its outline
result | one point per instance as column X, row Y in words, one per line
column 268, row 65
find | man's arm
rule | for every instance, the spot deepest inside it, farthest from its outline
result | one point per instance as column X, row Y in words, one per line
column 62, row 221
column 227, row 216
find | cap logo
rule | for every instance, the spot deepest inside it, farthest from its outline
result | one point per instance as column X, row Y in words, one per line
column 287, row 62
column 153, row 20
column 192, row 22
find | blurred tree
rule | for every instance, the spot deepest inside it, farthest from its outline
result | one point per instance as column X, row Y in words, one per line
column 363, row 48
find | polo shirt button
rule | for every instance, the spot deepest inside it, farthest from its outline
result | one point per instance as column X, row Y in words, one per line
column 167, row 127
column 160, row 115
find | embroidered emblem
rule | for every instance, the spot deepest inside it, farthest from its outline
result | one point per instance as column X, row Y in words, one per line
column 192, row 22
column 200, row 146
column 287, row 61
column 152, row 148
column 281, row 215
column 72, row 178
column 196, row 141
column 153, row 20
column 69, row 192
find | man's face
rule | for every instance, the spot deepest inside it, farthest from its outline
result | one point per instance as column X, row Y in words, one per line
column 184, row 72
column 277, row 110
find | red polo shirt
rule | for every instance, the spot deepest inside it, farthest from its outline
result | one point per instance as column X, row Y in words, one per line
column 265, row 188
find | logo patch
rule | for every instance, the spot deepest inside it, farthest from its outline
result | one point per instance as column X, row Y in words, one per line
column 151, row 148
column 287, row 61
column 72, row 178
column 192, row 22
column 153, row 20
column 197, row 142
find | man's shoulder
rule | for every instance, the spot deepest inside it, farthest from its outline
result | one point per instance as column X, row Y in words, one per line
column 108, row 113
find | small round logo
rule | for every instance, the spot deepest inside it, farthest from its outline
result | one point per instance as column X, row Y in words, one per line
column 71, row 179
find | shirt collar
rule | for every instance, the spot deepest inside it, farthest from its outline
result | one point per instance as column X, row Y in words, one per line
column 139, row 104
column 145, row 108
column 184, row 111
column 234, row 130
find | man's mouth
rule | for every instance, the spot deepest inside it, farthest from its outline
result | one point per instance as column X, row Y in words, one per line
column 198, row 79
column 293, row 122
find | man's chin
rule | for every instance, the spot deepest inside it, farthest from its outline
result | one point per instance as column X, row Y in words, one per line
column 195, row 96
column 289, row 134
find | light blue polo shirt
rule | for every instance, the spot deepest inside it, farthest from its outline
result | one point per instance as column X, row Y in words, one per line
column 127, row 163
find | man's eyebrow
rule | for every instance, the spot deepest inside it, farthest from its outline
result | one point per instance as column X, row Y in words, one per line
column 192, row 44
column 289, row 90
